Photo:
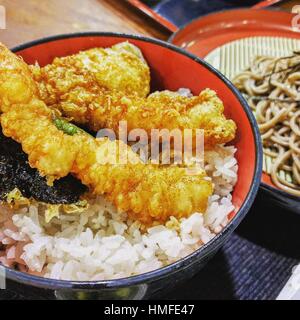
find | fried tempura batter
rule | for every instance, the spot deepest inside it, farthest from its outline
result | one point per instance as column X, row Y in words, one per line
column 164, row 110
column 73, row 79
column 147, row 192
column 91, row 89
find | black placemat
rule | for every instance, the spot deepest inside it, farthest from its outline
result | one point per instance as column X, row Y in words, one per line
column 254, row 264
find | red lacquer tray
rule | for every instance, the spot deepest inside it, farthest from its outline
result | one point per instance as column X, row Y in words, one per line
column 172, row 27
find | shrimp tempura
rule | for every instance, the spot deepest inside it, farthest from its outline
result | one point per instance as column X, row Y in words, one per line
column 147, row 192
column 163, row 110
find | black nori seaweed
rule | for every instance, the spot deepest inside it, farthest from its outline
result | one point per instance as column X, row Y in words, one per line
column 16, row 172
column 6, row 175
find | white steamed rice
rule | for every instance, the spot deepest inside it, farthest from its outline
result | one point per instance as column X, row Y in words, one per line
column 100, row 243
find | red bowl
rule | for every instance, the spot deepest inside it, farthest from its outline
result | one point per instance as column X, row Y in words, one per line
column 171, row 68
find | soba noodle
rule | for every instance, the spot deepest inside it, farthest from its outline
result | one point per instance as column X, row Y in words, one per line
column 272, row 87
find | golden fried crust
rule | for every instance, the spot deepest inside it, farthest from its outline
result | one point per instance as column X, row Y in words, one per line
column 101, row 87
column 16, row 84
column 26, row 119
column 164, row 110
column 148, row 193
column 121, row 68
column 48, row 149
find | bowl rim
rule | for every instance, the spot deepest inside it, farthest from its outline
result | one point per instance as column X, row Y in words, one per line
column 265, row 10
column 200, row 253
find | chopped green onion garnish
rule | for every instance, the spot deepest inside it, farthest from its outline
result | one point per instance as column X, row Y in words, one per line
column 66, row 127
